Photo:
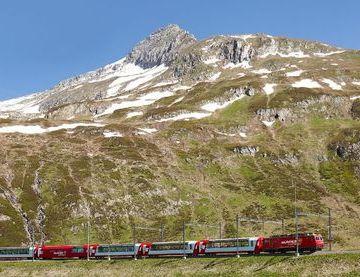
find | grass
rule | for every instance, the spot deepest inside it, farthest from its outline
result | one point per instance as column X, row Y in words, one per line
column 324, row 265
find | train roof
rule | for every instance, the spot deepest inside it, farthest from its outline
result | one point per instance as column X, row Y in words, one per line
column 292, row 235
column 119, row 244
column 17, row 247
column 67, row 246
column 233, row 239
column 173, row 242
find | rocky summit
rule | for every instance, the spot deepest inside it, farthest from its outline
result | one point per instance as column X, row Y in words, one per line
column 161, row 47
column 187, row 130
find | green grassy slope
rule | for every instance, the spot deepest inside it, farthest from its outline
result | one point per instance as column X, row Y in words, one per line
column 326, row 265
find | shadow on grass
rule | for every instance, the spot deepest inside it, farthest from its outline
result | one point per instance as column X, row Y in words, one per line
column 166, row 261
column 217, row 262
column 271, row 262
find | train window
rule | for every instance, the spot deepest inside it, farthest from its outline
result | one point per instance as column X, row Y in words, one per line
column 244, row 243
column 227, row 244
column 160, row 247
column 77, row 250
column 116, row 248
column 102, row 249
column 14, row 251
column 122, row 248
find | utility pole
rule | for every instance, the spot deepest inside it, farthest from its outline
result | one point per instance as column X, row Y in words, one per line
column 237, row 236
column 88, row 240
column 330, row 231
column 33, row 244
column 134, row 241
column 263, row 225
column 109, row 258
column 109, row 241
column 183, row 236
column 220, row 231
column 296, row 221
column 162, row 232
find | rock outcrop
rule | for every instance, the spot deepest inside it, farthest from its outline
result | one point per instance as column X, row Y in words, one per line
column 246, row 150
column 161, row 47
column 236, row 51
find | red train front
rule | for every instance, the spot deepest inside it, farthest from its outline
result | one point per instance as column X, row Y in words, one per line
column 308, row 242
column 66, row 251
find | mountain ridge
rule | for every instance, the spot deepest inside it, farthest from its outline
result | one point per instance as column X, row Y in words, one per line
column 232, row 48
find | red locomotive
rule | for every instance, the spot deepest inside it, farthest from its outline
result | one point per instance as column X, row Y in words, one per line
column 66, row 251
column 307, row 242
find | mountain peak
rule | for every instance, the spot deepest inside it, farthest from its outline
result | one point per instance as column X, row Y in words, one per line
column 161, row 47
column 170, row 28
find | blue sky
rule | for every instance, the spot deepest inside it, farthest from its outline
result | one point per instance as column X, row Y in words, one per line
column 43, row 42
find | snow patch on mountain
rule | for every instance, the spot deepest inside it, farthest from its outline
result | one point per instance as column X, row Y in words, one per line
column 26, row 104
column 244, row 37
column 295, row 73
column 268, row 123
column 133, row 76
column 109, row 134
column 213, row 106
column 297, row 54
column 275, row 52
column 186, row 116
column 331, row 84
column 329, row 53
column 36, row 129
column 269, row 88
column 146, row 77
column 146, row 131
column 141, row 101
column 306, row 83
column 133, row 114
column 181, row 87
column 214, row 77
column 101, row 74
column 177, row 100
column 261, row 71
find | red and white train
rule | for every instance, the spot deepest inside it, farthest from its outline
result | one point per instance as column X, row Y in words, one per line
column 307, row 242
